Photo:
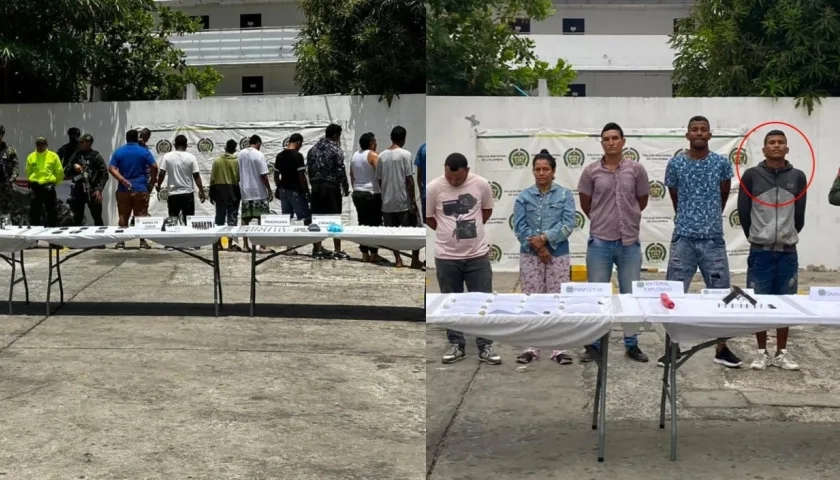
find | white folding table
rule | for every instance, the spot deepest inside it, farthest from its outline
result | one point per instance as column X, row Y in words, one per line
column 12, row 245
column 293, row 237
column 88, row 238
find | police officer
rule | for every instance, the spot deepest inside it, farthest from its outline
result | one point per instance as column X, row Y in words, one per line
column 43, row 169
column 86, row 168
column 66, row 151
column 8, row 175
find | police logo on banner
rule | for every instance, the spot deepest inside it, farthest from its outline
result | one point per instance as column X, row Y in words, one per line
column 163, row 146
column 574, row 158
column 243, row 143
column 655, row 253
column 580, row 220
column 741, row 158
column 497, row 191
column 205, row 145
column 510, row 222
column 657, row 190
column 495, row 254
column 734, row 219
column 630, row 154
column 519, row 158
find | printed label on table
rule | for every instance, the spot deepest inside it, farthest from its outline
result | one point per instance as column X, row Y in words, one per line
column 655, row 288
column 148, row 223
column 825, row 294
column 719, row 293
column 586, row 289
column 324, row 221
column 275, row 221
column 201, row 222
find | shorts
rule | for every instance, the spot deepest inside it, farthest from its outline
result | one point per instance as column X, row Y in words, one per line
column 254, row 209
column 129, row 203
column 400, row 219
column 183, row 203
column 326, row 198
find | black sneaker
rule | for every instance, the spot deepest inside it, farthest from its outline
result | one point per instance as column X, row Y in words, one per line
column 636, row 354
column 661, row 361
column 526, row 357
column 726, row 358
column 589, row 353
column 454, row 354
column 323, row 255
column 340, row 255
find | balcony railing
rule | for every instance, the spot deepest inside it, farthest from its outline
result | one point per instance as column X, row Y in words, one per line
column 607, row 52
column 239, row 46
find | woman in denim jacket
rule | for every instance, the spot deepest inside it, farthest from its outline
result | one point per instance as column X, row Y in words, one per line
column 543, row 219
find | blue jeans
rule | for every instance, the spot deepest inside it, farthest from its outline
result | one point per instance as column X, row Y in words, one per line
column 601, row 255
column 773, row 273
column 294, row 203
column 707, row 254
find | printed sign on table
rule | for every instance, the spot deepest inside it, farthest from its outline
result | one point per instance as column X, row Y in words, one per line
column 148, row 223
column 201, row 222
column 655, row 288
column 586, row 289
column 719, row 293
column 825, row 294
column 275, row 221
column 325, row 221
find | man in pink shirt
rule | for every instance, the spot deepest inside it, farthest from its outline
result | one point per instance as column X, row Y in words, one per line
column 457, row 207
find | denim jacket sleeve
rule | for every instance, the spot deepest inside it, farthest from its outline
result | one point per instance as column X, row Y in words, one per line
column 560, row 232
column 520, row 222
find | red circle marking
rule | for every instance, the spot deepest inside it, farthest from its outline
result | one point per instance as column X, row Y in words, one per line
column 738, row 169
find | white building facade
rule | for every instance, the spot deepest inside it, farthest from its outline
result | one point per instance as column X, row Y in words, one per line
column 250, row 42
column 618, row 47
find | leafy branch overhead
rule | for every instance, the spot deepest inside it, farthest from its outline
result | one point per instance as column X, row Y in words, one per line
column 362, row 47
column 52, row 50
column 472, row 49
column 739, row 48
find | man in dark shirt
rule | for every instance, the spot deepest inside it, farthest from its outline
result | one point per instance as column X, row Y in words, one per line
column 66, row 151
column 86, row 169
column 328, row 176
column 290, row 179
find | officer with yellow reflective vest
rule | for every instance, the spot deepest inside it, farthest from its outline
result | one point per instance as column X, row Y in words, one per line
column 44, row 171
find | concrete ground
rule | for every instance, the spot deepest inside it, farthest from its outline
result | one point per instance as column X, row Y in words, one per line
column 134, row 378
column 494, row 422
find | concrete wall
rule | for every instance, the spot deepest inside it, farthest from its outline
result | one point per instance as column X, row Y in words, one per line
column 626, row 84
column 614, row 19
column 227, row 16
column 450, row 132
column 108, row 121
column 277, row 78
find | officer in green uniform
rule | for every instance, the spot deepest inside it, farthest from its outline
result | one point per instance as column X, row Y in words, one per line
column 11, row 204
column 86, row 168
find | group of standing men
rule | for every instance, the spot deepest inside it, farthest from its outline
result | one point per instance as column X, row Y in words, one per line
column 613, row 193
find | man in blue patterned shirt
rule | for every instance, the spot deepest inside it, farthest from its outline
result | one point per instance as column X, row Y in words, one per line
column 699, row 181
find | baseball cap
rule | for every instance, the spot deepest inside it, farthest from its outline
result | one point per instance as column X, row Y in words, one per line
column 86, row 138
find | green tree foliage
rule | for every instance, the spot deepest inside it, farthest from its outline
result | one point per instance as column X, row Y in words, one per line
column 362, row 47
column 472, row 49
column 778, row 48
column 50, row 50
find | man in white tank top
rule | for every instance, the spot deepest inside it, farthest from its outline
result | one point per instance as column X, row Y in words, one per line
column 367, row 196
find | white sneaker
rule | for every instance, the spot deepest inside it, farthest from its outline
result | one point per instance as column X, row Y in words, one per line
column 762, row 362
column 784, row 361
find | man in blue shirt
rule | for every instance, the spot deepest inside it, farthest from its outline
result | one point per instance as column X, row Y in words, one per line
column 128, row 166
column 699, row 182
column 420, row 163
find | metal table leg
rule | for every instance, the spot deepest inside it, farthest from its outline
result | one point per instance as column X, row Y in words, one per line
column 665, row 377
column 13, row 262
column 602, row 407
column 253, row 278
column 672, row 355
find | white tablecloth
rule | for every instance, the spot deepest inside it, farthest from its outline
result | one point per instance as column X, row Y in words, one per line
column 279, row 236
column 403, row 239
column 90, row 237
column 700, row 321
column 563, row 331
column 12, row 240
column 186, row 238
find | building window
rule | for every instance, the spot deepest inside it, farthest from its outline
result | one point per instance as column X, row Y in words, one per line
column 250, row 20
column 521, row 25
column 577, row 90
column 204, row 19
column 573, row 26
column 252, row 85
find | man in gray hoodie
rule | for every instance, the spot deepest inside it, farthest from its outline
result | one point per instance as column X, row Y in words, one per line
column 771, row 206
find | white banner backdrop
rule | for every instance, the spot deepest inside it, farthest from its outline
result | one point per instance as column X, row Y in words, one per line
column 504, row 159
column 207, row 143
